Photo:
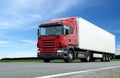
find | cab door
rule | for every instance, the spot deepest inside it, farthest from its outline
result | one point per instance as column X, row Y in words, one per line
column 69, row 36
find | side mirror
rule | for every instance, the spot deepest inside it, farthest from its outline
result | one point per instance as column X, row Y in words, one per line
column 66, row 31
column 38, row 32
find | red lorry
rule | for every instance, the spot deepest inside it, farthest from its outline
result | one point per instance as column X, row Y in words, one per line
column 74, row 38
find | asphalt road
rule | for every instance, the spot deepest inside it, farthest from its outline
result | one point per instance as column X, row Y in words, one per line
column 36, row 69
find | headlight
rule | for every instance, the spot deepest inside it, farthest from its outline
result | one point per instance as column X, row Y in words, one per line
column 60, row 51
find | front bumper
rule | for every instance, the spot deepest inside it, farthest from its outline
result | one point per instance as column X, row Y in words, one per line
column 59, row 55
column 50, row 56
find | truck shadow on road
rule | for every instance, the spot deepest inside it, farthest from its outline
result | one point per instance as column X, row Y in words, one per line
column 75, row 62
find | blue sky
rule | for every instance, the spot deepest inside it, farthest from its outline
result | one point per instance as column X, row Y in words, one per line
column 19, row 20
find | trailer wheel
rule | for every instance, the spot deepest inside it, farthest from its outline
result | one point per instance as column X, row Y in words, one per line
column 69, row 56
column 46, row 60
column 103, row 58
column 109, row 58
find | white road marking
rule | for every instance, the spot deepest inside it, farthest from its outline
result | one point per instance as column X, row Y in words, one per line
column 77, row 72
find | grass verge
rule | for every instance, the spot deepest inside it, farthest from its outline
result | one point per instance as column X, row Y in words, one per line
column 116, row 76
column 21, row 61
column 39, row 60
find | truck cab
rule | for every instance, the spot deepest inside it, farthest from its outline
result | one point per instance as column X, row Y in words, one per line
column 56, row 38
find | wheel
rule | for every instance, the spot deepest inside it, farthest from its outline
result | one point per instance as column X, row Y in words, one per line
column 46, row 60
column 103, row 58
column 109, row 58
column 69, row 56
column 88, row 58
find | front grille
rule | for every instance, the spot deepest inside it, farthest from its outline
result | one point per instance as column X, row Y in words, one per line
column 48, row 47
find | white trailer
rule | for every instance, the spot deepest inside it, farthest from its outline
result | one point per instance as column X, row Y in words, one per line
column 96, row 40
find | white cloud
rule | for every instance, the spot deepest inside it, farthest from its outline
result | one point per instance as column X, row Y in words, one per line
column 19, row 14
column 18, row 54
column 24, row 54
column 4, row 23
column 3, row 42
column 29, row 41
column 37, row 16
column 63, row 5
column 17, row 48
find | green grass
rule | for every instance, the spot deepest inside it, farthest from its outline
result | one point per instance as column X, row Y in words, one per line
column 21, row 60
column 75, row 61
column 59, row 61
column 38, row 60
column 116, row 76
column 115, row 59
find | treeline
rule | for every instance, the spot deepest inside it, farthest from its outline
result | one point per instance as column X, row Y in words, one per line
column 117, row 57
column 21, row 58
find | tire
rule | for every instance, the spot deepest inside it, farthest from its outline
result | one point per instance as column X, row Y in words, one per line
column 46, row 60
column 88, row 58
column 69, row 56
column 103, row 58
column 109, row 58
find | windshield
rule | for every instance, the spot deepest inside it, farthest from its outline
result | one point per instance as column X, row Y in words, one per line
column 50, row 30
